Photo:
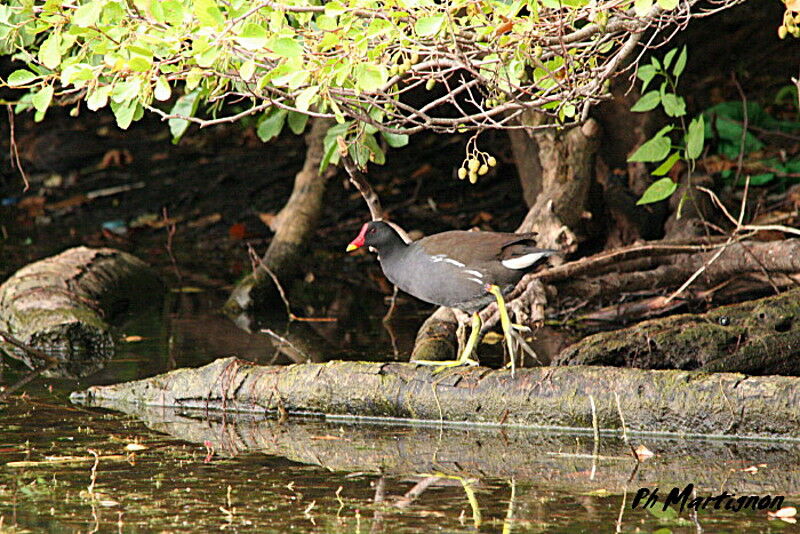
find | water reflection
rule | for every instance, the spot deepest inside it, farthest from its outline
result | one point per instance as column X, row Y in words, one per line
column 201, row 471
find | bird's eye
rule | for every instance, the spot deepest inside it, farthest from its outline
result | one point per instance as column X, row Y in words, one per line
column 372, row 230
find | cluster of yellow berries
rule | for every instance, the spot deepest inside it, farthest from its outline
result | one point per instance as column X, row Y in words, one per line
column 790, row 25
column 477, row 164
column 403, row 64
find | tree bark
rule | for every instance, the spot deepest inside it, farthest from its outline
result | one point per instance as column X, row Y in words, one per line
column 655, row 401
column 567, row 162
column 62, row 305
column 526, row 155
column 293, row 227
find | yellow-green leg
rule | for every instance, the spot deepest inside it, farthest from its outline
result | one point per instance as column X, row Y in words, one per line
column 505, row 321
column 464, row 358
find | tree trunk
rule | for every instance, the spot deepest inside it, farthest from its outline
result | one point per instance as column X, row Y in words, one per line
column 655, row 401
column 61, row 306
column 293, row 227
column 526, row 155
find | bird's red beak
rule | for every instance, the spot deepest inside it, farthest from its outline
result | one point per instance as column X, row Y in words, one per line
column 358, row 242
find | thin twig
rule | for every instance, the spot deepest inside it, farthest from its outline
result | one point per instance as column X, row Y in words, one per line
column 740, row 158
column 257, row 262
column 33, row 351
column 24, row 381
column 171, row 229
column 14, row 149
column 285, row 341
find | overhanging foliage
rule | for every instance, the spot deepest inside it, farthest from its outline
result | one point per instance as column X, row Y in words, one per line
column 353, row 61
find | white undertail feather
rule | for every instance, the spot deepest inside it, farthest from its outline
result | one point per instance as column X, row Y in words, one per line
column 523, row 262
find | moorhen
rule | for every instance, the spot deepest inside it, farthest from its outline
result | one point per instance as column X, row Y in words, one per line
column 458, row 269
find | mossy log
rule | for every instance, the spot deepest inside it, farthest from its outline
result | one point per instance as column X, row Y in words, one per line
column 561, row 459
column 651, row 401
column 756, row 337
column 62, row 305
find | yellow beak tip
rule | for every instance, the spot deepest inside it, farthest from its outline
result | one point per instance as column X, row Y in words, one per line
column 351, row 247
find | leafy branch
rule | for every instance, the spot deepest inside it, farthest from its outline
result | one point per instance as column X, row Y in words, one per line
column 661, row 148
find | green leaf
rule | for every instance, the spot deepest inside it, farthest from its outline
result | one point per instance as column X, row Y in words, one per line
column 665, row 130
column 674, row 105
column 326, row 22
column 331, row 155
column 668, row 58
column 139, row 64
column 667, row 5
column 247, row 69
column 360, row 154
column 157, row 10
column 98, row 98
column 654, row 149
column 271, row 125
column 658, row 190
column 665, row 167
column 208, row 57
column 695, row 137
column 642, row 7
column 371, row 77
column 680, row 64
column 647, row 102
column 20, row 77
column 126, row 91
column 297, row 122
column 207, row 13
column 286, row 47
column 124, row 112
column 429, row 26
column 306, row 97
column 252, row 36
column 87, row 14
column 377, row 153
column 50, row 52
column 173, row 11
column 646, row 73
column 185, row 106
column 41, row 100
column 395, row 140
column 334, row 8
column 162, row 90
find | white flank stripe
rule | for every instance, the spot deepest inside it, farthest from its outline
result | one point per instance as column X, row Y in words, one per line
column 474, row 273
column 525, row 261
column 477, row 280
column 454, row 262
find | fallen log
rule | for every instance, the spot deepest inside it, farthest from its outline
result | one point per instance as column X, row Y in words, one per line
column 754, row 337
column 566, row 460
column 62, row 306
column 649, row 401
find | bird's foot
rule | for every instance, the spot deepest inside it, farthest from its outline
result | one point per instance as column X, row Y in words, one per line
column 446, row 364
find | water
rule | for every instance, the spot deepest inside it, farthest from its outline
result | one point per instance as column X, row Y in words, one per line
column 68, row 468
